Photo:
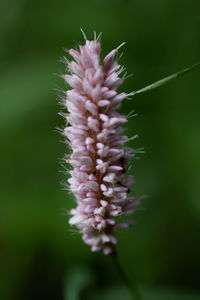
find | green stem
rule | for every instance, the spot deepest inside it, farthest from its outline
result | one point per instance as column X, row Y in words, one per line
column 165, row 80
column 130, row 286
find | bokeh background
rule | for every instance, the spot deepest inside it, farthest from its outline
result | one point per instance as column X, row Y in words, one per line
column 39, row 257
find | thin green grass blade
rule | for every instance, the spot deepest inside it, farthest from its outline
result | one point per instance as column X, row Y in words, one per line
column 166, row 79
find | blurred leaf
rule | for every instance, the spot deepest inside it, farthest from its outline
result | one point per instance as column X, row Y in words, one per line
column 75, row 282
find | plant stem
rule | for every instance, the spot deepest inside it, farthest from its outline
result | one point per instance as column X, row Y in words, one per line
column 135, row 295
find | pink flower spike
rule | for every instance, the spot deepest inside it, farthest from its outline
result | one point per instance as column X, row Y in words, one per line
column 99, row 160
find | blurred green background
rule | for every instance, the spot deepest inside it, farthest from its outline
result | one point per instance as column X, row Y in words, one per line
column 39, row 257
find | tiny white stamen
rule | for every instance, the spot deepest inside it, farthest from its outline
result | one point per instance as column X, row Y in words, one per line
column 83, row 33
